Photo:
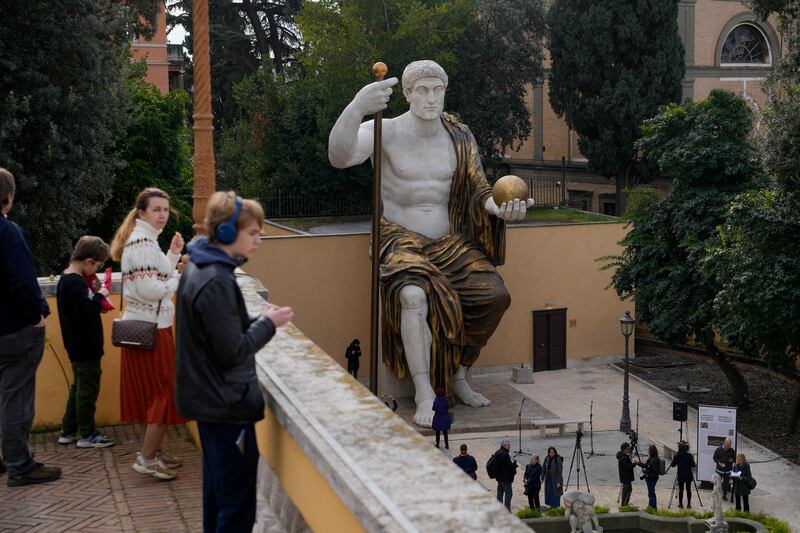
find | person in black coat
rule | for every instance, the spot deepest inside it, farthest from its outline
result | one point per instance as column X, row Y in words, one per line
column 724, row 457
column 532, row 480
column 217, row 341
column 506, row 470
column 626, row 476
column 353, row 354
column 742, row 483
column 651, row 471
column 466, row 462
column 684, row 461
column 441, row 417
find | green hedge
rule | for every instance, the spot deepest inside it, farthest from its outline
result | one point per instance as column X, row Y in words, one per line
column 601, row 509
column 555, row 511
column 773, row 524
column 628, row 508
column 527, row 512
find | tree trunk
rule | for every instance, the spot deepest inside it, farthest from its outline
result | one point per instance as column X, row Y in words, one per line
column 794, row 416
column 740, row 396
column 620, row 207
column 255, row 21
column 275, row 43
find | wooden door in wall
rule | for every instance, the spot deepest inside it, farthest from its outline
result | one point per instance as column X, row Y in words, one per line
column 549, row 339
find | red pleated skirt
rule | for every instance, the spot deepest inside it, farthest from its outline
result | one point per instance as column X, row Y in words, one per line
column 147, row 383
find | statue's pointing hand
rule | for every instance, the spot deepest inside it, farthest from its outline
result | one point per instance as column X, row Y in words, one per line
column 375, row 96
column 509, row 211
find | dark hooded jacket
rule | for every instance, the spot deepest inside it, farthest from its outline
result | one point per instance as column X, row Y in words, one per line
column 216, row 341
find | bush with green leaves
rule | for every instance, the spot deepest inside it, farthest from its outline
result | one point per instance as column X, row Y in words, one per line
column 527, row 512
column 602, row 509
column 628, row 508
column 555, row 511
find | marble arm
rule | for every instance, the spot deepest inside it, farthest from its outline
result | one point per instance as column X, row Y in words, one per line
column 350, row 141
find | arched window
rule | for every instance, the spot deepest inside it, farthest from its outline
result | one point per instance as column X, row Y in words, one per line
column 745, row 44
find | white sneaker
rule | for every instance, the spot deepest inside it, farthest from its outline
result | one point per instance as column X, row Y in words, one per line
column 66, row 438
column 153, row 468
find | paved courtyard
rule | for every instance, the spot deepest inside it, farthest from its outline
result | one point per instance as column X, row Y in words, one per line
column 99, row 491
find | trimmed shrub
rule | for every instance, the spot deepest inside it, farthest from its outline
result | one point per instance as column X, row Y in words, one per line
column 555, row 511
column 527, row 512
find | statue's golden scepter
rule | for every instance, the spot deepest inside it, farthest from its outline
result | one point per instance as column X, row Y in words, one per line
column 380, row 70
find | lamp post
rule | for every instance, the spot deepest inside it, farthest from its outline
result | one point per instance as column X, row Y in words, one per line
column 626, row 324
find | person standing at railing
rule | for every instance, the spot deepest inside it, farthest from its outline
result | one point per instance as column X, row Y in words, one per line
column 149, row 279
column 22, row 313
column 216, row 345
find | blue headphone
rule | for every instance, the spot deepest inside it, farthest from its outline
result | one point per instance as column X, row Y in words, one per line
column 226, row 232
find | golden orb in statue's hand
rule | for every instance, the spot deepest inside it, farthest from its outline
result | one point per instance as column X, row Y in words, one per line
column 509, row 188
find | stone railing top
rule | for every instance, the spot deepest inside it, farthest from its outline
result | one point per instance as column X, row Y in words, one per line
column 386, row 473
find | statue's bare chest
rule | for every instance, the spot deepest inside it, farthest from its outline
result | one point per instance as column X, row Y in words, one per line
column 422, row 159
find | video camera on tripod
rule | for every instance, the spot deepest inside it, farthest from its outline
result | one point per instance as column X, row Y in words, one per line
column 633, row 437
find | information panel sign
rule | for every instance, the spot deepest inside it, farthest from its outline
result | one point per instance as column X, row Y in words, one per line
column 714, row 425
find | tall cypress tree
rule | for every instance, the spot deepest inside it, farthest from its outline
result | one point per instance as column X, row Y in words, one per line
column 614, row 63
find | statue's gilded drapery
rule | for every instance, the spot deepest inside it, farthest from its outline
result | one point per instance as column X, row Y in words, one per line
column 466, row 296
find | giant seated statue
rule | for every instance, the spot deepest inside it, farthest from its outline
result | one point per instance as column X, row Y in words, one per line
column 442, row 235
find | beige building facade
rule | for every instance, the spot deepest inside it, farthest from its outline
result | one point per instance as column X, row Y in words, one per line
column 727, row 47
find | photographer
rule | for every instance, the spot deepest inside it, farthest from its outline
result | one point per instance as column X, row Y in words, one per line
column 625, row 464
column 684, row 461
column 650, row 473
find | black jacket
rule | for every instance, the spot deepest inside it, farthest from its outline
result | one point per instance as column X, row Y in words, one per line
column 533, row 476
column 652, row 468
column 79, row 315
column 625, row 466
column 506, row 468
column 216, row 342
column 468, row 464
column 726, row 457
column 685, row 462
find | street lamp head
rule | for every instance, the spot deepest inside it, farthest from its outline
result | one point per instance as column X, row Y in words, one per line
column 626, row 323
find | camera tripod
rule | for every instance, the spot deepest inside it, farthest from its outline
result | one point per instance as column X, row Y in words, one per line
column 577, row 450
column 519, row 430
column 675, row 482
column 633, row 438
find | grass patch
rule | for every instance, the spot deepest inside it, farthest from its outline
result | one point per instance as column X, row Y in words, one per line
column 555, row 511
column 602, row 509
column 628, row 508
column 565, row 215
column 527, row 512
column 773, row 524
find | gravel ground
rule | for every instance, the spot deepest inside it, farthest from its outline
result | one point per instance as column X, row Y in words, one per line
column 764, row 421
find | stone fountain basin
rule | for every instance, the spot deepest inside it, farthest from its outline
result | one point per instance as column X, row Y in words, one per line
column 641, row 522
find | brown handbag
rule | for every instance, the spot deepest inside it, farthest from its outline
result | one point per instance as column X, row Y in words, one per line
column 138, row 334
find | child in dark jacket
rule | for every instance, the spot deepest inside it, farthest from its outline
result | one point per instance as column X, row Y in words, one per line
column 532, row 480
column 79, row 309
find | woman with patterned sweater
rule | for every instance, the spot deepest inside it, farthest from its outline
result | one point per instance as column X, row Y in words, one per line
column 147, row 380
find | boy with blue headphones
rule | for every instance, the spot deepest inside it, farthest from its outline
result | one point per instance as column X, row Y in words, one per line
column 215, row 361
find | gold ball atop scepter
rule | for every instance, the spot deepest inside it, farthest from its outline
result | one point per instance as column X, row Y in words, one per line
column 509, row 188
column 380, row 69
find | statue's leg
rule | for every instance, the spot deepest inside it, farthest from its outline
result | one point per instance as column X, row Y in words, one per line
column 482, row 310
column 417, row 345
column 464, row 392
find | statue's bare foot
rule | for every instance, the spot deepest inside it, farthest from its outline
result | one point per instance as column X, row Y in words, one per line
column 424, row 415
column 464, row 392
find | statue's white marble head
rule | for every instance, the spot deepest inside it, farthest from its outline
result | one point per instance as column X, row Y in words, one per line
column 425, row 68
column 424, row 85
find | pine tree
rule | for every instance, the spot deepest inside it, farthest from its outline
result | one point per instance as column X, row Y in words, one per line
column 614, row 63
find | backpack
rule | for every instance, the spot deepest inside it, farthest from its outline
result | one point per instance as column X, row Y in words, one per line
column 491, row 467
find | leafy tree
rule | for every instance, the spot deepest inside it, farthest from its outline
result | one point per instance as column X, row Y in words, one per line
column 63, row 65
column 155, row 153
column 243, row 37
column 704, row 147
column 614, row 63
column 758, row 257
column 490, row 49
